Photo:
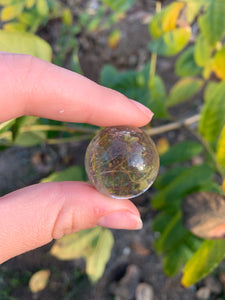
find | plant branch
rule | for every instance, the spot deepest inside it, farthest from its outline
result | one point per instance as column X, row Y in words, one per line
column 173, row 126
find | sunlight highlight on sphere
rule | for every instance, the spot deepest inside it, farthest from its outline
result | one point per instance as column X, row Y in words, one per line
column 122, row 161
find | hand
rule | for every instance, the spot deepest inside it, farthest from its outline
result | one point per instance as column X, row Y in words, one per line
column 33, row 216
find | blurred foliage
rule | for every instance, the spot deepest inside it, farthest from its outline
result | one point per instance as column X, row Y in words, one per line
column 199, row 65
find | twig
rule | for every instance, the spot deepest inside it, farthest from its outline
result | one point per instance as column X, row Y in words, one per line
column 173, row 126
column 154, row 55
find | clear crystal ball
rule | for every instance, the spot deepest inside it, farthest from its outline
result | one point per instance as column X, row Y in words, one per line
column 122, row 161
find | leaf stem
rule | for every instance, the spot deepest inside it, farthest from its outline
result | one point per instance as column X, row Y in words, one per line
column 153, row 65
column 74, row 129
column 209, row 149
column 152, row 70
column 68, row 140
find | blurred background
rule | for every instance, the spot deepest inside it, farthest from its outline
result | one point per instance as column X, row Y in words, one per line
column 158, row 53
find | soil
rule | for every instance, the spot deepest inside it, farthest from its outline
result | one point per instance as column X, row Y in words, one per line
column 133, row 260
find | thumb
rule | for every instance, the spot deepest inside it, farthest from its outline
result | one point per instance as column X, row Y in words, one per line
column 33, row 216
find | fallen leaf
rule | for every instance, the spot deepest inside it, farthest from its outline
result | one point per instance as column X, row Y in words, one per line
column 204, row 214
column 139, row 248
column 39, row 281
column 162, row 145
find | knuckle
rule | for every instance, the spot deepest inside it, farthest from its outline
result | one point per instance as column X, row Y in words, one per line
column 66, row 220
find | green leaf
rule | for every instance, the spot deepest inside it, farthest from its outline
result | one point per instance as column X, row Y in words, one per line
column 183, row 90
column 11, row 11
column 203, row 51
column 218, row 64
column 157, row 100
column 74, row 173
column 180, row 152
column 171, row 42
column 175, row 259
column 6, row 125
column 93, row 24
column 168, row 176
column 212, row 23
column 96, row 262
column 8, row 2
column 108, row 75
column 213, row 114
column 25, row 43
column 29, row 139
column 210, row 89
column 190, row 179
column 173, row 235
column 133, row 84
column 221, row 148
column 165, row 20
column 21, row 121
column 26, row 18
column 161, row 221
column 186, row 65
column 118, row 5
column 208, row 256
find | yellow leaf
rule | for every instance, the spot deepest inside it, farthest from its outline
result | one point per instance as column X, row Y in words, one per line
column 39, row 281
column 24, row 43
column 30, row 3
column 75, row 245
column 114, row 39
column 162, row 145
column 221, row 148
column 67, row 17
column 223, row 186
column 42, row 7
column 207, row 70
column 219, row 63
column 170, row 20
column 11, row 11
column 97, row 260
column 14, row 26
column 165, row 20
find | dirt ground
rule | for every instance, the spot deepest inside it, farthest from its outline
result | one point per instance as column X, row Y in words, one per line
column 134, row 264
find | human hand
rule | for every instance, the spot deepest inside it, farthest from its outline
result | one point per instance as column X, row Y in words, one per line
column 33, row 216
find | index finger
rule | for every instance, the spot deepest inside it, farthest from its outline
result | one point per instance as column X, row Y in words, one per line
column 31, row 86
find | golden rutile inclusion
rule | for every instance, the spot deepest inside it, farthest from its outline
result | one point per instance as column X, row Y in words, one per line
column 122, row 162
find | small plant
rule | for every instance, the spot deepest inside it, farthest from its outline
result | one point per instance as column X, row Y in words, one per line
column 200, row 67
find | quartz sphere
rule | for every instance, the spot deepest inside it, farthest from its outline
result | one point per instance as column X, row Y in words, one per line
column 122, row 161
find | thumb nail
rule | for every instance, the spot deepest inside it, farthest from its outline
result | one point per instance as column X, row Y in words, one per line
column 121, row 220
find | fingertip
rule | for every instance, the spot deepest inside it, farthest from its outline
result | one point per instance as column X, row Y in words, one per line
column 144, row 109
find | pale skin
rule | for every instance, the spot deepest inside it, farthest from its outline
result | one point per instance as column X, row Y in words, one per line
column 33, row 216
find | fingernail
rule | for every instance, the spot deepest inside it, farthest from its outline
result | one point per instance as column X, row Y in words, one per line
column 143, row 108
column 121, row 220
